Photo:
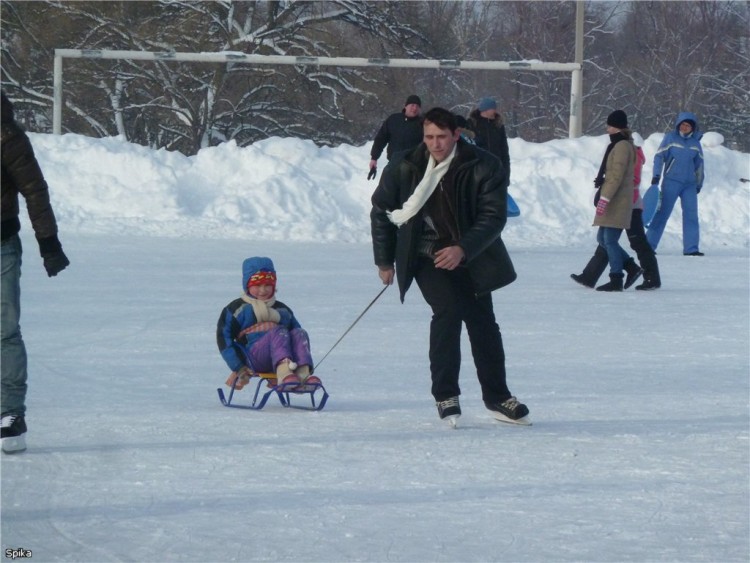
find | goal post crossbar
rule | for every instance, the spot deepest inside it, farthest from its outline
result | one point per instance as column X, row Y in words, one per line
column 252, row 59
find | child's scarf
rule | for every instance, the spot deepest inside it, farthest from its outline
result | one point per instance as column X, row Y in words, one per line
column 263, row 310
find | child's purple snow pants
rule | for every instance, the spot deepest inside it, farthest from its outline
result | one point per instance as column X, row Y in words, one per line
column 278, row 344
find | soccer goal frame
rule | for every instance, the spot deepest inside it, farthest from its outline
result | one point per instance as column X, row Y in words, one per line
column 576, row 88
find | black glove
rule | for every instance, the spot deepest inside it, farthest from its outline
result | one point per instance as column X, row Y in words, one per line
column 53, row 256
column 598, row 183
column 373, row 172
column 55, row 262
column 655, row 181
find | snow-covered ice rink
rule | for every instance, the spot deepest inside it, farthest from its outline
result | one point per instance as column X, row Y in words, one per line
column 639, row 448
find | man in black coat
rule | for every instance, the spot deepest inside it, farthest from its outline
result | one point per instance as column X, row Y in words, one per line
column 20, row 175
column 436, row 218
column 400, row 131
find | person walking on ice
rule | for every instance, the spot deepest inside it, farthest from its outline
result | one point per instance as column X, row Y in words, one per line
column 678, row 163
column 21, row 176
column 399, row 132
column 614, row 207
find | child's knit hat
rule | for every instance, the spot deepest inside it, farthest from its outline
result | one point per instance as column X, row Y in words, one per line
column 258, row 270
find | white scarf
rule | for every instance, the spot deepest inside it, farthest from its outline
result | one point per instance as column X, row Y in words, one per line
column 263, row 310
column 423, row 191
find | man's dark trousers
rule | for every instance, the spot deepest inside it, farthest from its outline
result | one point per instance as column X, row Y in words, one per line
column 450, row 294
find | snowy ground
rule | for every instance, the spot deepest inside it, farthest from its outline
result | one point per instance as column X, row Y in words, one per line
column 639, row 449
column 638, row 452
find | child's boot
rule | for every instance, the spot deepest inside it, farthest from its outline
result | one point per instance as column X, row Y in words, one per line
column 285, row 376
column 304, row 374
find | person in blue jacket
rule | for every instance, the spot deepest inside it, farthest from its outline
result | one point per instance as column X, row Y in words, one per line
column 678, row 163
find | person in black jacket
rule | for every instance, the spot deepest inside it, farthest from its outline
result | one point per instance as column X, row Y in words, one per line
column 436, row 218
column 20, row 175
column 400, row 131
column 489, row 131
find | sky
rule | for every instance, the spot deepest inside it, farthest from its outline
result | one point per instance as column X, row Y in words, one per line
column 639, row 448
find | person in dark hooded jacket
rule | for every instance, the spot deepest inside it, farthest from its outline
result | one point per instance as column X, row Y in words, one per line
column 21, row 175
column 436, row 217
column 488, row 128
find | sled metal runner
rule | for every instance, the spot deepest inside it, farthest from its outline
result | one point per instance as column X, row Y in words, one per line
column 289, row 394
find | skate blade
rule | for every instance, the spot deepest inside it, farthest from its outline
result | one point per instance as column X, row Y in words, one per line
column 452, row 420
column 14, row 444
column 523, row 421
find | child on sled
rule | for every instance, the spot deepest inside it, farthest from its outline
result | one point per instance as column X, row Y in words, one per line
column 266, row 330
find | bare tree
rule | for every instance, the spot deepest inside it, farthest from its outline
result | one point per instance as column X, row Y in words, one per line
column 667, row 57
column 188, row 106
column 650, row 58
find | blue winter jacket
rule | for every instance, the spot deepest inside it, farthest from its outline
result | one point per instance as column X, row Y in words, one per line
column 679, row 158
column 234, row 319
